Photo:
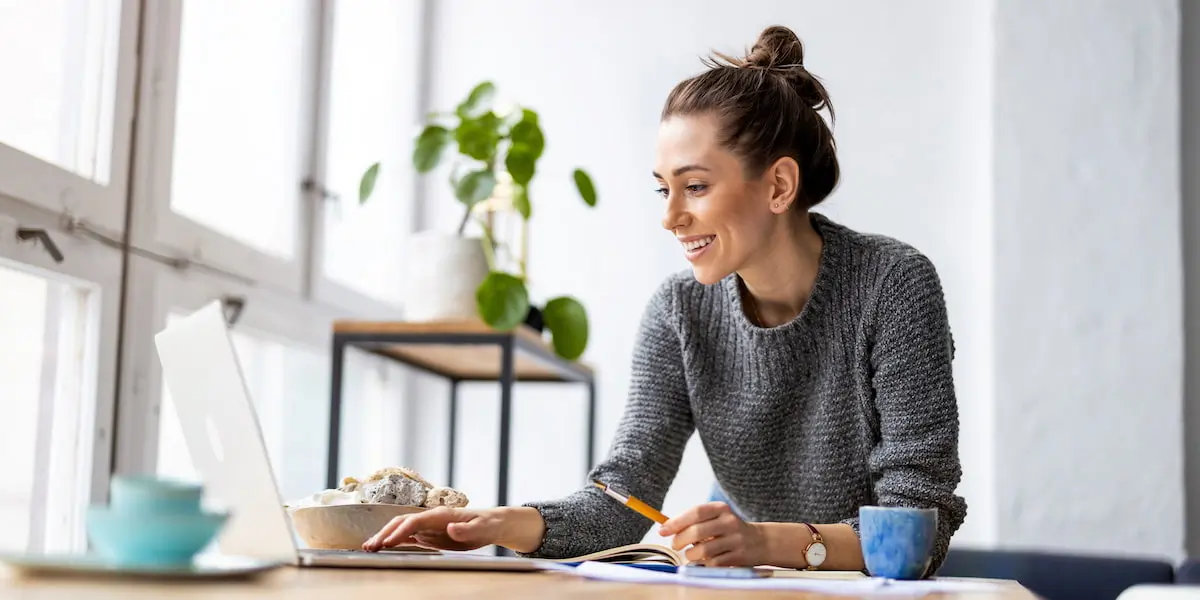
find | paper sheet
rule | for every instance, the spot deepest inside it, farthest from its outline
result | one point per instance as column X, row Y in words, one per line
column 850, row 587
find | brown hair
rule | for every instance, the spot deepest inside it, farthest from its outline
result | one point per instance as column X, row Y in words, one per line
column 769, row 107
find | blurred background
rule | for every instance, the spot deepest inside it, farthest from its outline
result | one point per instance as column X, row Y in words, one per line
column 158, row 155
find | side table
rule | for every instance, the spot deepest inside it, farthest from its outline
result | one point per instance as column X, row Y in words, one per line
column 458, row 351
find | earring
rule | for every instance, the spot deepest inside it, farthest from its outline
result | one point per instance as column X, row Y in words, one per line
column 776, row 205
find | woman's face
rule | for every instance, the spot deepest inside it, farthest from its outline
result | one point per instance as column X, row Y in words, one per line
column 721, row 219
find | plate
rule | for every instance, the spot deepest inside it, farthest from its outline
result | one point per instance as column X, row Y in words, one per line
column 205, row 567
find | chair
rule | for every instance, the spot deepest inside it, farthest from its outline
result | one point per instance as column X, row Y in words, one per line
column 1188, row 572
column 1056, row 576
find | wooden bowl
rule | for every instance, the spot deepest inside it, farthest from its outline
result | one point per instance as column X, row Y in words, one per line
column 344, row 526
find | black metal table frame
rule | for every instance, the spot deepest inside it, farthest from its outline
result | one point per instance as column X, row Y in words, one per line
column 509, row 344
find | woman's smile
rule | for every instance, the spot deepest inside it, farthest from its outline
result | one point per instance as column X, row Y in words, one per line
column 694, row 246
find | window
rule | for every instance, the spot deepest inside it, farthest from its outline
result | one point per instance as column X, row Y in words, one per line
column 59, row 71
column 239, row 120
column 373, row 116
column 68, row 69
column 47, row 389
column 232, row 122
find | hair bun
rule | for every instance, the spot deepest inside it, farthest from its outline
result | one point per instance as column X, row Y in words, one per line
column 780, row 51
column 777, row 46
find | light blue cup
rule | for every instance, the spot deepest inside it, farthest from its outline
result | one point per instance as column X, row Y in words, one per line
column 145, row 494
column 897, row 542
column 152, row 522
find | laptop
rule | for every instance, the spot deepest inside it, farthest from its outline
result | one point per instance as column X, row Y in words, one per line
column 220, row 426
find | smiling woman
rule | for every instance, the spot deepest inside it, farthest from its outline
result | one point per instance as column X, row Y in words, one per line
column 813, row 360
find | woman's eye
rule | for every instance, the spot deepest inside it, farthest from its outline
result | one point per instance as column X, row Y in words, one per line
column 662, row 191
column 696, row 188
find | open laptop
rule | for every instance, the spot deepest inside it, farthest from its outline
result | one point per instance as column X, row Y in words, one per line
column 201, row 369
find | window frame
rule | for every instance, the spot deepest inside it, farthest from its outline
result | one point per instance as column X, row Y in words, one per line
column 324, row 289
column 160, row 228
column 291, row 300
column 64, row 192
column 97, row 267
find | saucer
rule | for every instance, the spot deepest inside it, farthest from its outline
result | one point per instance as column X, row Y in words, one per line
column 203, row 568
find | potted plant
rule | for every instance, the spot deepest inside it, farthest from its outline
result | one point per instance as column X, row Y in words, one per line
column 494, row 152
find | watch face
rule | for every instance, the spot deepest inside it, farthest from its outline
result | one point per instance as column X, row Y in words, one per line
column 815, row 554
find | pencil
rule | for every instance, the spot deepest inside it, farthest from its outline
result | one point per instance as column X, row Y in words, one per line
column 637, row 505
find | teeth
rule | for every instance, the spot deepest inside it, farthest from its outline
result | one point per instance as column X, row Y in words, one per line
column 698, row 244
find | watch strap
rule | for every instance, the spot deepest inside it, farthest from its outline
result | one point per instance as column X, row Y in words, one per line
column 816, row 539
column 816, row 534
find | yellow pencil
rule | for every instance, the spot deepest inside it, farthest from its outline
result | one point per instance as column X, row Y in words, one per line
column 637, row 505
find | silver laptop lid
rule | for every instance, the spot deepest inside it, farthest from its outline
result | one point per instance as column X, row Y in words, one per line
column 220, row 426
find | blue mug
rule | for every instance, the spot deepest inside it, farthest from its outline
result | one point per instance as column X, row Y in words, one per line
column 151, row 495
column 152, row 522
column 897, row 542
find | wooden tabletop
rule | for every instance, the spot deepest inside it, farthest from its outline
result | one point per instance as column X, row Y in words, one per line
column 371, row 584
column 534, row 359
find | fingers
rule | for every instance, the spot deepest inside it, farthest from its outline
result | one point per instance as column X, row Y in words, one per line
column 400, row 530
column 693, row 515
column 723, row 551
column 723, row 524
column 434, row 520
column 375, row 542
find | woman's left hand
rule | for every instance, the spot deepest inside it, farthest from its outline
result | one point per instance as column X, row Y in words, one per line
column 718, row 538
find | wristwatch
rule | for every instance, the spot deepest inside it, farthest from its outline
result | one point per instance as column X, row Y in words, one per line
column 814, row 553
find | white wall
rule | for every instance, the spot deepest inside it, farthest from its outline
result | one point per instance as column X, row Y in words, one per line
column 913, row 126
column 1088, row 276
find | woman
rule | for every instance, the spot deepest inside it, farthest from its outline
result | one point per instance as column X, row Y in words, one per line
column 813, row 360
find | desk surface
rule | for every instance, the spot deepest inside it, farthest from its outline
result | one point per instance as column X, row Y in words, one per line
column 428, row 345
column 371, row 584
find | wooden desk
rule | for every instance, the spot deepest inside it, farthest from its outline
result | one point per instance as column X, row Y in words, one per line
column 369, row 584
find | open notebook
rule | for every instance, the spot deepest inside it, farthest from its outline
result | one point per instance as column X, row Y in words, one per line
column 634, row 553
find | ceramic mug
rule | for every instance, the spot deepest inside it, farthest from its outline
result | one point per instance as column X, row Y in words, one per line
column 152, row 522
column 151, row 495
column 897, row 542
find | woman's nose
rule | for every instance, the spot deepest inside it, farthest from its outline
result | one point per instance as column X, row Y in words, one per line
column 675, row 216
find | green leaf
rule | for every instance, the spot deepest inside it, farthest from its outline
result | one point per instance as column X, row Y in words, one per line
column 430, row 145
column 584, row 184
column 567, row 321
column 478, row 138
column 478, row 101
column 528, row 134
column 367, row 184
column 521, row 201
column 475, row 187
column 521, row 163
column 502, row 301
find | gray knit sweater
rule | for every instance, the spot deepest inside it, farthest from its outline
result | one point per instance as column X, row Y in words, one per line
column 851, row 403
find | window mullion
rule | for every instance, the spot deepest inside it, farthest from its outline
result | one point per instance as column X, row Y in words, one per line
column 314, row 197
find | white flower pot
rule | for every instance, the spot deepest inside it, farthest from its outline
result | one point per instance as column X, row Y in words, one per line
column 444, row 270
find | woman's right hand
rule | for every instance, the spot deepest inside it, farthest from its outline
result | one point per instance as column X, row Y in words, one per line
column 460, row 529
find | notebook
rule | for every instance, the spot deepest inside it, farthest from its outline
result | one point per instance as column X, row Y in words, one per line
column 633, row 554
column 662, row 558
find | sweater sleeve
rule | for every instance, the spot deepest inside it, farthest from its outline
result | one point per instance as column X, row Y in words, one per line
column 915, row 461
column 645, row 453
